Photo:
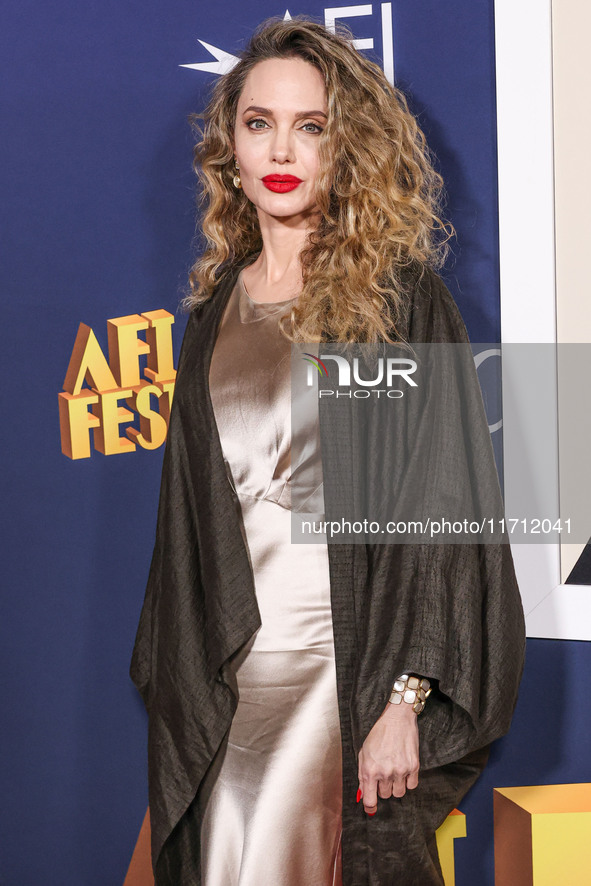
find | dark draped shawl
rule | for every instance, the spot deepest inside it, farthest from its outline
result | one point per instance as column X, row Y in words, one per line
column 449, row 611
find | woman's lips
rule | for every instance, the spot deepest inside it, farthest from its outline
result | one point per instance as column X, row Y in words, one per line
column 281, row 183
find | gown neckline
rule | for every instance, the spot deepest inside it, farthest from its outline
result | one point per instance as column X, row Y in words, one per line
column 251, row 310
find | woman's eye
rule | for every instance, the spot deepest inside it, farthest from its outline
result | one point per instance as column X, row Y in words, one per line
column 256, row 120
column 315, row 126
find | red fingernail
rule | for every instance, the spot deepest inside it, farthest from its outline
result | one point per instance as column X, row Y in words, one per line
column 371, row 813
column 359, row 794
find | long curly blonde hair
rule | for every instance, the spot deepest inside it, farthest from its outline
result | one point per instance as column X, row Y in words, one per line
column 378, row 193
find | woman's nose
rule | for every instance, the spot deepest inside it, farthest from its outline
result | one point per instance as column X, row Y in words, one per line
column 282, row 147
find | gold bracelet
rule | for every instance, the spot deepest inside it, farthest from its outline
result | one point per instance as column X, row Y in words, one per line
column 412, row 690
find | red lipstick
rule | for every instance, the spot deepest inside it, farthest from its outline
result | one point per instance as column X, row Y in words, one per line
column 281, row 183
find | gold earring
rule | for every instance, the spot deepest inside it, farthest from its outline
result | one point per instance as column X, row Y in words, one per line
column 236, row 180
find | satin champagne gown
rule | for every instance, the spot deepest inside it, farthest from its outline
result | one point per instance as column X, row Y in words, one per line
column 271, row 813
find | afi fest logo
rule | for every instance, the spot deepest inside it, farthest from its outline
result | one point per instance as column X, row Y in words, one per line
column 117, row 393
column 388, row 370
column 225, row 61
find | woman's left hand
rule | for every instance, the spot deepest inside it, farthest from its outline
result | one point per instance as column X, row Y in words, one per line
column 389, row 758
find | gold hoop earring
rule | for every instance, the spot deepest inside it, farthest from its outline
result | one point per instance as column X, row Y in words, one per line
column 236, row 180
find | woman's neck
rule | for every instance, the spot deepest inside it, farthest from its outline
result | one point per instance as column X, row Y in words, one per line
column 276, row 273
column 283, row 240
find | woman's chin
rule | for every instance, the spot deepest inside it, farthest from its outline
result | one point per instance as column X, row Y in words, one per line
column 281, row 211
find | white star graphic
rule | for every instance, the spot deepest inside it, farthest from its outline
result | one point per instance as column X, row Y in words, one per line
column 225, row 61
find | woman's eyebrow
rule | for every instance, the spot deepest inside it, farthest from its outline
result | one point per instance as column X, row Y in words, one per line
column 298, row 116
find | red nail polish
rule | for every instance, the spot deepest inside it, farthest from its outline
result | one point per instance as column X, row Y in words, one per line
column 359, row 794
column 371, row 813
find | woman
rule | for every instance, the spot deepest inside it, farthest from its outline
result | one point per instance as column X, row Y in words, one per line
column 279, row 750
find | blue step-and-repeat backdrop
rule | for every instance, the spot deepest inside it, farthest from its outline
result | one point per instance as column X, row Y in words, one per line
column 98, row 205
